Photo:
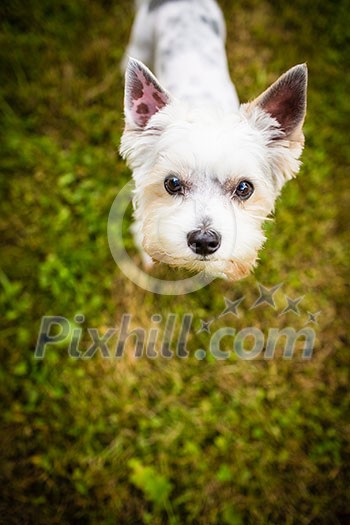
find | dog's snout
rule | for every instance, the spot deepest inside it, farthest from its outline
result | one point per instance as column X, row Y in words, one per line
column 204, row 242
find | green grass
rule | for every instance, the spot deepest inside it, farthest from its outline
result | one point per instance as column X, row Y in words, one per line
column 179, row 441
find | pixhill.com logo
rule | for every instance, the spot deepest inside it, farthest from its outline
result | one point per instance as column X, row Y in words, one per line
column 168, row 337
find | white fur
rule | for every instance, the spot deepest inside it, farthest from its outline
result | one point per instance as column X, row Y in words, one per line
column 207, row 145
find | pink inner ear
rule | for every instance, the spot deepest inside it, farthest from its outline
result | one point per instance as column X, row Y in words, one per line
column 286, row 108
column 144, row 96
column 285, row 100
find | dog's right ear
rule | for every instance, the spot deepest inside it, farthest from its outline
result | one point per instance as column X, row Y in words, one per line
column 144, row 96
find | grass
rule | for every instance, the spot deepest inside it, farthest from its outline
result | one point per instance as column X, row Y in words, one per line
column 179, row 441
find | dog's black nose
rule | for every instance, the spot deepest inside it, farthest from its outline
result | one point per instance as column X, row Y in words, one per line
column 204, row 242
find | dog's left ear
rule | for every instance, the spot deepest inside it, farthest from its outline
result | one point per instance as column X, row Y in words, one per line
column 144, row 96
column 285, row 101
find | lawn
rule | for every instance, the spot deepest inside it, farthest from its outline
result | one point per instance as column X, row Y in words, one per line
column 191, row 439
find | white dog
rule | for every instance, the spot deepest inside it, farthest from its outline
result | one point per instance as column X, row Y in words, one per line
column 207, row 170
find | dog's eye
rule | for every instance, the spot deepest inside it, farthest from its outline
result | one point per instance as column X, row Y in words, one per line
column 173, row 185
column 244, row 190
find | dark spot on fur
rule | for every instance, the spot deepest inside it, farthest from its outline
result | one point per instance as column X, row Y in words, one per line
column 158, row 98
column 155, row 4
column 212, row 24
column 175, row 21
column 142, row 109
column 145, row 75
column 136, row 89
column 168, row 52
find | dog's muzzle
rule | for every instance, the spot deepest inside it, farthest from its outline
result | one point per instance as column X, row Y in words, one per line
column 204, row 242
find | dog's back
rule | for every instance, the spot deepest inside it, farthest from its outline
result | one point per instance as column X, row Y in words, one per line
column 183, row 42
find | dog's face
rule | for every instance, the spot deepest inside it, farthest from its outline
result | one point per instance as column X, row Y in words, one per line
column 206, row 180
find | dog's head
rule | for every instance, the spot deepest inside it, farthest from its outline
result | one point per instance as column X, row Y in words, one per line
column 205, row 179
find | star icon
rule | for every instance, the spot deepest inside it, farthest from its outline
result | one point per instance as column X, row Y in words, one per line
column 312, row 318
column 292, row 305
column 231, row 307
column 205, row 327
column 266, row 296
